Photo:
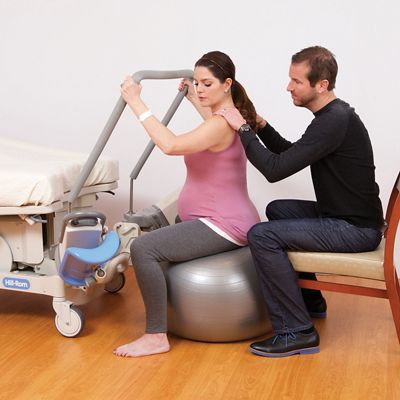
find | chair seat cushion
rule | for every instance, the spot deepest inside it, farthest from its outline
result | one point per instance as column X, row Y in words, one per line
column 364, row 265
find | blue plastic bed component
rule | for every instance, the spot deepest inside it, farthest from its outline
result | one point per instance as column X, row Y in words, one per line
column 79, row 264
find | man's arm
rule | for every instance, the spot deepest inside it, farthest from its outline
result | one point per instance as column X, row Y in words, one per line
column 280, row 158
column 265, row 132
column 273, row 140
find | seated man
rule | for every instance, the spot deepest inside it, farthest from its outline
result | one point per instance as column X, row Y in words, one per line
column 346, row 216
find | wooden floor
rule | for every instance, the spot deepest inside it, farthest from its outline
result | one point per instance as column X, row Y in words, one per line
column 359, row 358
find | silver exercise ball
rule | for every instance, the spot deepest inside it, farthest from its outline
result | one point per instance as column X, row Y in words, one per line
column 216, row 298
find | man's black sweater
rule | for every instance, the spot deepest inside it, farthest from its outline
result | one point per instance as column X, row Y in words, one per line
column 337, row 147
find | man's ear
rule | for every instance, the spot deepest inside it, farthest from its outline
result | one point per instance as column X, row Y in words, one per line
column 323, row 86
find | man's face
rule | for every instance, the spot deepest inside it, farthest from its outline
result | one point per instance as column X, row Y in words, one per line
column 303, row 94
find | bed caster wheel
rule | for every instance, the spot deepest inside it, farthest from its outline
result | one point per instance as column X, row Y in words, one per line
column 116, row 284
column 100, row 273
column 74, row 326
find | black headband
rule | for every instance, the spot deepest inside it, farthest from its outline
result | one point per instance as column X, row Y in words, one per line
column 215, row 63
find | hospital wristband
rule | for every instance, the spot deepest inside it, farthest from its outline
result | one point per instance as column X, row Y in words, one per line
column 145, row 115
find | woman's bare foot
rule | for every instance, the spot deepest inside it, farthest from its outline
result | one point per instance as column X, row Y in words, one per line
column 149, row 343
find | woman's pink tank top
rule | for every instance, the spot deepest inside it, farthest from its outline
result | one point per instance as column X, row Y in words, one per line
column 215, row 190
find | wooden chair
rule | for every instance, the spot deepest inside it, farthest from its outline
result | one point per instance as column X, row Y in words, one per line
column 378, row 265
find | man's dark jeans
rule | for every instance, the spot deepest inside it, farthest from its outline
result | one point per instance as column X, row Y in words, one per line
column 296, row 225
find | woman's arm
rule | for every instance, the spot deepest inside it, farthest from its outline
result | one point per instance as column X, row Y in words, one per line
column 213, row 134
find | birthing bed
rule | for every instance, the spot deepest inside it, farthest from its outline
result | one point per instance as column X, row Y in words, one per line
column 34, row 185
column 40, row 176
column 50, row 241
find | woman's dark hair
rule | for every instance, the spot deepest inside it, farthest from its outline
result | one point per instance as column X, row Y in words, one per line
column 322, row 64
column 222, row 67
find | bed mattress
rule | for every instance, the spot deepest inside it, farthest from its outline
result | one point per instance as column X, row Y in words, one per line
column 32, row 174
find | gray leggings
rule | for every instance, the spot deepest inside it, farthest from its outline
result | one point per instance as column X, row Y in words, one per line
column 176, row 243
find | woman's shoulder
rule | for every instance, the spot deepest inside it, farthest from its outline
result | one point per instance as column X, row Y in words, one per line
column 223, row 134
column 219, row 120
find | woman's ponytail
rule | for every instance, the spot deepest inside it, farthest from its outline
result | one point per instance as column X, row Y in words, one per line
column 244, row 104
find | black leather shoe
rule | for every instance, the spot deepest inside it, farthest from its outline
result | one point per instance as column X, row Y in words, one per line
column 287, row 344
column 316, row 307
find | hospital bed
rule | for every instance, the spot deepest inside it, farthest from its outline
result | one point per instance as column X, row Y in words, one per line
column 51, row 240
column 34, row 185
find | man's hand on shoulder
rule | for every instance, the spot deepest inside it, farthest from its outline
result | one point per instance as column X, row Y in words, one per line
column 233, row 117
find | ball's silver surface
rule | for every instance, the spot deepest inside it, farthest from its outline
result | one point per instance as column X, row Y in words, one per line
column 216, row 298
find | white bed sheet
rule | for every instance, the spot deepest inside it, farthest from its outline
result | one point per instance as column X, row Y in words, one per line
column 31, row 174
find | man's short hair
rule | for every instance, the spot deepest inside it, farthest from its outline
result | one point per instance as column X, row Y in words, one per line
column 322, row 63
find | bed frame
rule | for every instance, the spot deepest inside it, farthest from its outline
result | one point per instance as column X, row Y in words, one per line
column 33, row 239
